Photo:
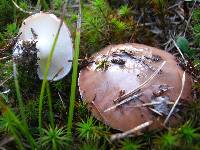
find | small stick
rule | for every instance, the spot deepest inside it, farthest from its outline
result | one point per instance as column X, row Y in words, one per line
column 179, row 51
column 2, row 83
column 122, row 102
column 189, row 18
column 127, row 133
column 61, row 100
column 6, row 140
column 3, row 58
column 21, row 9
column 124, row 97
column 155, row 111
column 150, row 104
column 177, row 100
column 101, row 115
column 57, row 73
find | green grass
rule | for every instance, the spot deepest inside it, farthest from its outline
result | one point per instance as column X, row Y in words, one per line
column 54, row 138
column 50, row 105
column 41, row 98
column 74, row 75
column 16, row 125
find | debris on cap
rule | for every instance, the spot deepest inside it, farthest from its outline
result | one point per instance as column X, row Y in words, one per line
column 126, row 85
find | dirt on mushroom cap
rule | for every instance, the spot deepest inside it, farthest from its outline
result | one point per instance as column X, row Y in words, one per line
column 120, row 69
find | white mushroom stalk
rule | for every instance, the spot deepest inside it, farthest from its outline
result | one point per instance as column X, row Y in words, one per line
column 42, row 28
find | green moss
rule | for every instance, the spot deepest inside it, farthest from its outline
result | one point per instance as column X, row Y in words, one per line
column 105, row 26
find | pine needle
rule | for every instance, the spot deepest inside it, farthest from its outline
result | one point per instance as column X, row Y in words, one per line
column 134, row 130
column 177, row 100
column 21, row 9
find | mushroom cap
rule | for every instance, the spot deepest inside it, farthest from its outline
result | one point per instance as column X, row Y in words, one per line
column 42, row 27
column 99, row 88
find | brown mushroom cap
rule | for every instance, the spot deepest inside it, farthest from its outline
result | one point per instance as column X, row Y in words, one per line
column 128, row 66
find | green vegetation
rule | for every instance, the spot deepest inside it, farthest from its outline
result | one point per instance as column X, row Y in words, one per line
column 51, row 115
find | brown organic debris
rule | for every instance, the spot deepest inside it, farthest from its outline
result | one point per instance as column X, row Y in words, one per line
column 127, row 133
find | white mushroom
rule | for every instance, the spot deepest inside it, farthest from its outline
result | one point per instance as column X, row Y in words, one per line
column 42, row 27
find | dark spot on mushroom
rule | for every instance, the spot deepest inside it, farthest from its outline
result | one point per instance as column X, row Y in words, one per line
column 154, row 58
column 118, row 61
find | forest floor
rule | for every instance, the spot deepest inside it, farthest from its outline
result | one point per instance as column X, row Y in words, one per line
column 173, row 26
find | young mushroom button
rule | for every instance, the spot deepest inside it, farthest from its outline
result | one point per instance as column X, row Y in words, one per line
column 42, row 28
column 130, row 84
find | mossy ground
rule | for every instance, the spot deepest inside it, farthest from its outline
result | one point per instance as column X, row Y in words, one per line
column 153, row 22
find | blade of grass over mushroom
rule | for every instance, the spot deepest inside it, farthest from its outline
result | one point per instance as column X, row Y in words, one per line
column 47, row 69
column 177, row 100
column 74, row 73
column 45, row 80
column 22, row 109
column 132, row 93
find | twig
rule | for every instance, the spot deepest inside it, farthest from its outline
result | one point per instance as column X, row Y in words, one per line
column 124, row 101
column 99, row 112
column 179, row 51
column 11, row 43
column 155, row 111
column 189, row 18
column 3, row 58
column 177, row 100
column 124, row 97
column 175, row 5
column 61, row 100
column 140, row 18
column 21, row 9
column 127, row 133
column 6, row 140
column 150, row 104
column 57, row 73
column 2, row 83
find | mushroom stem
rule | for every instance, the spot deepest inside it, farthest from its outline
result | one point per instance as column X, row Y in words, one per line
column 125, row 134
column 177, row 100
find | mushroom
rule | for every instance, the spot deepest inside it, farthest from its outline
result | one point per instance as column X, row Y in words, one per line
column 129, row 84
column 42, row 28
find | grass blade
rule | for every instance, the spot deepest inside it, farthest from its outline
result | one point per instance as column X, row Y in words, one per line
column 74, row 74
column 22, row 109
column 50, row 105
column 7, row 112
column 46, row 72
column 19, row 97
